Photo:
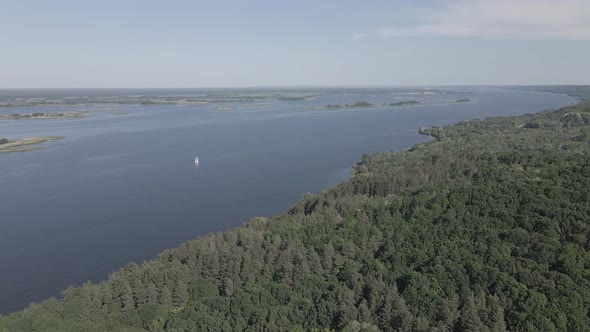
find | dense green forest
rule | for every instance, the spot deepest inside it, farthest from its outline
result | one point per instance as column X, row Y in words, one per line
column 484, row 228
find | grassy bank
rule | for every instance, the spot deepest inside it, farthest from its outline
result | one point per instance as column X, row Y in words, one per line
column 26, row 144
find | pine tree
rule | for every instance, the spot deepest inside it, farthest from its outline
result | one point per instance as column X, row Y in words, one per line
column 166, row 297
column 328, row 257
column 90, row 302
column 365, row 315
column 140, row 292
column 123, row 293
column 152, row 294
column 470, row 320
column 180, row 294
column 497, row 320
column 346, row 309
column 402, row 318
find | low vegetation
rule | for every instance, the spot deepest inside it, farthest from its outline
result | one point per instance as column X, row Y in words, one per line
column 361, row 103
column 24, row 144
column 41, row 115
column 404, row 103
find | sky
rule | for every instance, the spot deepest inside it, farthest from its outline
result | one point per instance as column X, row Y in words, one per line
column 252, row 43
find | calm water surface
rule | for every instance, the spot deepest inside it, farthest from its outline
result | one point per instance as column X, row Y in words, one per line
column 122, row 185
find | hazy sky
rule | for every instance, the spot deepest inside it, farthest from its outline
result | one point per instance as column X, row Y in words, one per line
column 177, row 43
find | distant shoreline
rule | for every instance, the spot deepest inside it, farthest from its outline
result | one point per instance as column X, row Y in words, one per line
column 26, row 144
column 41, row 115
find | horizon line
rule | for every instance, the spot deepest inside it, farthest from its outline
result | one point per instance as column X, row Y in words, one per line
column 296, row 86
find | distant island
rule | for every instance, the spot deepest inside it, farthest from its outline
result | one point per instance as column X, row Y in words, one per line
column 403, row 103
column 24, row 144
column 362, row 103
column 151, row 99
column 197, row 96
column 463, row 100
column 292, row 98
column 41, row 115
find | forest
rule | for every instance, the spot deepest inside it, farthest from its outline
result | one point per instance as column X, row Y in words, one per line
column 484, row 228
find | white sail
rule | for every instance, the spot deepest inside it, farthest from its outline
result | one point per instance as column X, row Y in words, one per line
column 196, row 160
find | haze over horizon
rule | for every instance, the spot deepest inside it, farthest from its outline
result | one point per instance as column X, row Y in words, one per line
column 148, row 44
column 230, row 165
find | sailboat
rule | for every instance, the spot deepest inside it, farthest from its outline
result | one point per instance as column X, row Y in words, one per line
column 197, row 160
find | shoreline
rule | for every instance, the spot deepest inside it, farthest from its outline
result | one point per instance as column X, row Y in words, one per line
column 254, row 219
column 42, row 116
column 26, row 144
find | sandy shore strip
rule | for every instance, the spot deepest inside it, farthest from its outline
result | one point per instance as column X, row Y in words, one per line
column 26, row 144
column 40, row 115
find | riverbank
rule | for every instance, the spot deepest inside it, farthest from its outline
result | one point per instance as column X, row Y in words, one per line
column 26, row 144
column 451, row 220
column 276, row 141
column 40, row 115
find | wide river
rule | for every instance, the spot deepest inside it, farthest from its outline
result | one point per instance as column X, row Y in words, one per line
column 122, row 185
